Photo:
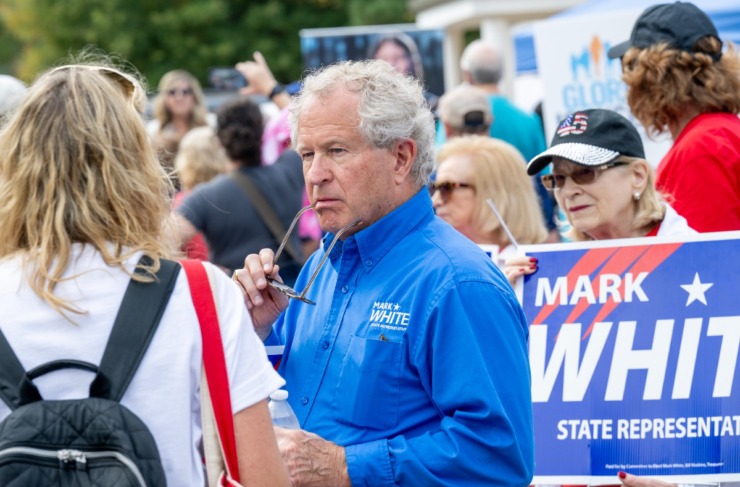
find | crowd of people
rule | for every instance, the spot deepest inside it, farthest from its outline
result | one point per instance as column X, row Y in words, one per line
column 386, row 390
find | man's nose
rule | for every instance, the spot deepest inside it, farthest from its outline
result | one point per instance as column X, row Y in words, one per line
column 319, row 171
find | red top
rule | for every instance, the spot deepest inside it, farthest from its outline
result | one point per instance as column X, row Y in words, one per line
column 700, row 175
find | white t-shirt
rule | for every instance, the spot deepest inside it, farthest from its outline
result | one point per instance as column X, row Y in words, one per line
column 165, row 391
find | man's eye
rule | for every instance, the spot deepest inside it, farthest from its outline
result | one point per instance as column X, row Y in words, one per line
column 306, row 156
column 336, row 150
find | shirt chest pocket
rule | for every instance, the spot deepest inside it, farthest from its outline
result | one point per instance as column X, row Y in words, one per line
column 368, row 389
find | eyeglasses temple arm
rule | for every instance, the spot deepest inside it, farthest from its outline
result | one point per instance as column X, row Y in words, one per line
column 288, row 233
column 326, row 254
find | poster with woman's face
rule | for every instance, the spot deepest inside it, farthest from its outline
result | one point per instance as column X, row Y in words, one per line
column 410, row 50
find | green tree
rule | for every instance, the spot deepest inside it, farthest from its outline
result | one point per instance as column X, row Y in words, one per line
column 159, row 35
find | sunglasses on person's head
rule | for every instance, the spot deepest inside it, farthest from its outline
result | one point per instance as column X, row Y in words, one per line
column 445, row 189
column 582, row 175
column 128, row 83
column 183, row 92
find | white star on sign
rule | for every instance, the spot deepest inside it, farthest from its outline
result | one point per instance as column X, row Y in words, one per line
column 696, row 290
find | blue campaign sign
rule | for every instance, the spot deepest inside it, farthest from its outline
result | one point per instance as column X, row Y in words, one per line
column 633, row 350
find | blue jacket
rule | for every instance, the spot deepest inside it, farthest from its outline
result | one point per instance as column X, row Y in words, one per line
column 414, row 357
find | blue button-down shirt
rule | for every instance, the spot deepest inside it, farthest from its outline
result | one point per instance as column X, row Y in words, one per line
column 414, row 357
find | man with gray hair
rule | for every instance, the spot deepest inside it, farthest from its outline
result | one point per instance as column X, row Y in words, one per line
column 411, row 367
column 465, row 110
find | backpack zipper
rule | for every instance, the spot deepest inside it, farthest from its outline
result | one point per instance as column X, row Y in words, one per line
column 77, row 456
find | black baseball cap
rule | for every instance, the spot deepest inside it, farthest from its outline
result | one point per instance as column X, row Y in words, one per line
column 591, row 138
column 678, row 24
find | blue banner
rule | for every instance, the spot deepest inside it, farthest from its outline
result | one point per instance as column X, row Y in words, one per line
column 634, row 356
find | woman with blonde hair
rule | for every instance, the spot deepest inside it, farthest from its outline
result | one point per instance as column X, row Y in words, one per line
column 472, row 169
column 178, row 108
column 200, row 158
column 84, row 199
column 680, row 81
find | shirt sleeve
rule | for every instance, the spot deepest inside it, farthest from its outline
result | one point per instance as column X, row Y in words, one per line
column 471, row 354
column 251, row 375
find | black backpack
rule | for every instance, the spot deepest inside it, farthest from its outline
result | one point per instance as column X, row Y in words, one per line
column 94, row 441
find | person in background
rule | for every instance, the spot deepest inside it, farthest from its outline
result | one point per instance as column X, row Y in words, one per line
column 483, row 66
column 465, row 109
column 602, row 182
column 276, row 137
column 222, row 210
column 472, row 169
column 400, row 51
column 397, row 374
column 679, row 81
column 81, row 205
column 199, row 159
column 12, row 91
column 178, row 107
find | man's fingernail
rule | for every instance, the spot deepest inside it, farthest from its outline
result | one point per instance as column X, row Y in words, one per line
column 622, row 475
column 261, row 282
column 257, row 300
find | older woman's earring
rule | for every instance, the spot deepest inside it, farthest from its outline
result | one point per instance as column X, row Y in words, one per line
column 636, row 196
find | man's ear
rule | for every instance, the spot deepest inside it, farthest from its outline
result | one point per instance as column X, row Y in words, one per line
column 405, row 152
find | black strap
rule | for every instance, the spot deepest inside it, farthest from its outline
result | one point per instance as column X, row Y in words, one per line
column 137, row 320
column 11, row 374
column 265, row 212
column 141, row 310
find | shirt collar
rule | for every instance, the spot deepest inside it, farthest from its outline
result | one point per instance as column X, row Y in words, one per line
column 375, row 241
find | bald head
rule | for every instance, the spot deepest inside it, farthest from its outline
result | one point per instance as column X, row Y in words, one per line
column 481, row 64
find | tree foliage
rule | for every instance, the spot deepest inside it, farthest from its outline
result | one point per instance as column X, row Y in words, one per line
column 159, row 35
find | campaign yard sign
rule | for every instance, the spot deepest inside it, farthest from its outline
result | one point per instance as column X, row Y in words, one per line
column 633, row 350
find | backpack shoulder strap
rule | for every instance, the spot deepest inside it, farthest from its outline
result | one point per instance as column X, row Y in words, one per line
column 141, row 310
column 11, row 374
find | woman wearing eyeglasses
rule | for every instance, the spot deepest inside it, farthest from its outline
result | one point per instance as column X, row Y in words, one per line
column 81, row 205
column 602, row 182
column 178, row 107
column 472, row 169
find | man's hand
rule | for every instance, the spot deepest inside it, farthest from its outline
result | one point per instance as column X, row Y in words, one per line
column 311, row 460
column 263, row 301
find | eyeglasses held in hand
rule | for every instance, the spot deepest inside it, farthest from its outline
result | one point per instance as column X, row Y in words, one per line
column 582, row 175
column 183, row 92
column 446, row 189
column 289, row 291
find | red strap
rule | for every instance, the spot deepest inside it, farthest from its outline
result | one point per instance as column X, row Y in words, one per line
column 214, row 360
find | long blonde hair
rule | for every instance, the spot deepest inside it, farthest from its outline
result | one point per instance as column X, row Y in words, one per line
column 77, row 166
column 500, row 174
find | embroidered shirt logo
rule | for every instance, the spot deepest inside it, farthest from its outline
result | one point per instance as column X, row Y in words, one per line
column 573, row 125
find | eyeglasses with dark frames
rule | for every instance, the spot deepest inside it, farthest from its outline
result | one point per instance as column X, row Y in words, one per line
column 284, row 288
column 445, row 189
column 582, row 175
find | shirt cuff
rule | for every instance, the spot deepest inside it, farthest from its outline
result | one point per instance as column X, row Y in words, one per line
column 369, row 464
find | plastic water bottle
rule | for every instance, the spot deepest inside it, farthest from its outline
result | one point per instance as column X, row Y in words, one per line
column 280, row 411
